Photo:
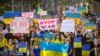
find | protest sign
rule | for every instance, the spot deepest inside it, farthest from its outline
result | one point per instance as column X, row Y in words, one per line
column 73, row 15
column 72, row 9
column 47, row 24
column 19, row 26
column 90, row 26
column 27, row 15
column 43, row 13
column 68, row 26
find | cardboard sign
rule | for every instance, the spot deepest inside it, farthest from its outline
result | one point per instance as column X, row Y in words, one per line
column 68, row 26
column 48, row 24
column 27, row 15
column 19, row 26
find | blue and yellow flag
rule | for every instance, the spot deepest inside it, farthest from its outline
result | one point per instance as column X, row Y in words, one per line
column 53, row 49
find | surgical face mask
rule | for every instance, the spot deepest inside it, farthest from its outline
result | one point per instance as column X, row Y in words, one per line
column 51, row 32
column 67, row 42
column 5, row 50
column 38, row 32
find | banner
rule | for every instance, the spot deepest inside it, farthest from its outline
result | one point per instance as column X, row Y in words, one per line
column 73, row 15
column 68, row 26
column 81, row 9
column 53, row 49
column 90, row 26
column 47, row 24
column 19, row 26
column 27, row 15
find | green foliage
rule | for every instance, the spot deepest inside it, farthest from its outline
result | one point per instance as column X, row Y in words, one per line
column 2, row 8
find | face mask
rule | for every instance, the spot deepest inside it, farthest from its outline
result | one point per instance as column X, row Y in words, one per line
column 38, row 32
column 51, row 32
column 5, row 50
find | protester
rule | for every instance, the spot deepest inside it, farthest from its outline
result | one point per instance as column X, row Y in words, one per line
column 22, row 46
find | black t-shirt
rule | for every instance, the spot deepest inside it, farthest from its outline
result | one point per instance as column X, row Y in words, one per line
column 91, row 47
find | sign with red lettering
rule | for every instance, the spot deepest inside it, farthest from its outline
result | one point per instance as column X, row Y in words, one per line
column 27, row 15
column 47, row 24
column 19, row 26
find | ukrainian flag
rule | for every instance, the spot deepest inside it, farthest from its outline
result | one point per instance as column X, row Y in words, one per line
column 53, row 49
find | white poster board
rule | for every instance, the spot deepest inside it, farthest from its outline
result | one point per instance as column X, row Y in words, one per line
column 47, row 24
column 19, row 26
column 68, row 26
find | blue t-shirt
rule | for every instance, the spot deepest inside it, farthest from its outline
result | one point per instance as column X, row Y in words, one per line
column 70, row 47
column 36, row 52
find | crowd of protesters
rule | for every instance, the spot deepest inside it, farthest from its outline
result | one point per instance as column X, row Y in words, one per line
column 23, row 44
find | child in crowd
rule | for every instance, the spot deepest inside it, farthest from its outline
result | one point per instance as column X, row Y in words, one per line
column 70, row 50
column 36, row 50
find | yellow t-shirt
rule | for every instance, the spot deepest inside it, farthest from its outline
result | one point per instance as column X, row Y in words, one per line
column 3, row 42
column 10, row 47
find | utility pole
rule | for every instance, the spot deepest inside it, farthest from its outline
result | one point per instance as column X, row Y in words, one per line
column 12, row 2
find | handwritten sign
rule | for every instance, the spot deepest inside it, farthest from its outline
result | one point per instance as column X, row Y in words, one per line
column 47, row 24
column 68, row 26
column 19, row 26
column 27, row 15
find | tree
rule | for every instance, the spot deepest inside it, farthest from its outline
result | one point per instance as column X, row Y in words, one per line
column 2, row 8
